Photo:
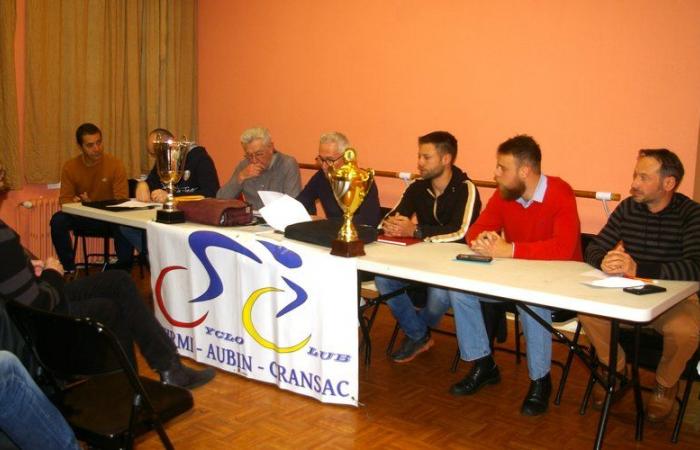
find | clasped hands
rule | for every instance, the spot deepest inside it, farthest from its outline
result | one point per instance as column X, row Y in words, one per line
column 143, row 194
column 490, row 243
column 398, row 226
column 84, row 197
column 619, row 262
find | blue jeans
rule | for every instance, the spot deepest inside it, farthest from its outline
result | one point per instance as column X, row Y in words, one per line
column 26, row 415
column 474, row 342
column 135, row 237
column 414, row 323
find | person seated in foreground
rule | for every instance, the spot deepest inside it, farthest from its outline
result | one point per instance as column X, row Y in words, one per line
column 330, row 154
column 27, row 416
column 654, row 233
column 444, row 203
column 264, row 168
column 109, row 297
column 530, row 216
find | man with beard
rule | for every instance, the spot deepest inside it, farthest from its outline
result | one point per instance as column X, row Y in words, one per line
column 444, row 203
column 655, row 233
column 530, row 216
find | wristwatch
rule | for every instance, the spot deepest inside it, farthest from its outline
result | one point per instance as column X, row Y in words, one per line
column 418, row 233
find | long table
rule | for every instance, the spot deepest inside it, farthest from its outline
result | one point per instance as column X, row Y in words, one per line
column 553, row 284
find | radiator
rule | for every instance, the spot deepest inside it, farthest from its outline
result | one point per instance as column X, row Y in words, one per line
column 33, row 217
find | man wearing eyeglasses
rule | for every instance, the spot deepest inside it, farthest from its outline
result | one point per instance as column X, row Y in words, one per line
column 330, row 153
column 263, row 169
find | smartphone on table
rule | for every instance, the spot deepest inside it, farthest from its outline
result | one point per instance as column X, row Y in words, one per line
column 644, row 290
column 474, row 258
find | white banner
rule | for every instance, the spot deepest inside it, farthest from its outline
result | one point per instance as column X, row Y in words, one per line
column 276, row 311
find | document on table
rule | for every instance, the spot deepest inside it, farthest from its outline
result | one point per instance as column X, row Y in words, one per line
column 615, row 282
column 281, row 210
column 135, row 204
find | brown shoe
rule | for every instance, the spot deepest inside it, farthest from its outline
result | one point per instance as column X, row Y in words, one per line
column 661, row 402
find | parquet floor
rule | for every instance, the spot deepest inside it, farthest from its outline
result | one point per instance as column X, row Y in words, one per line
column 407, row 406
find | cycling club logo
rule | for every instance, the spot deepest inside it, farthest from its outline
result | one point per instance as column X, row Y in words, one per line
column 199, row 242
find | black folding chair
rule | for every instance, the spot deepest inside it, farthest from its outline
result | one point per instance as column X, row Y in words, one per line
column 81, row 235
column 648, row 346
column 94, row 386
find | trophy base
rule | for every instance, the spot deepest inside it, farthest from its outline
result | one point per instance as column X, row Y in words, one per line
column 347, row 249
column 163, row 216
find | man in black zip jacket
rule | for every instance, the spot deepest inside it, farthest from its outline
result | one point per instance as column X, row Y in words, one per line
column 443, row 202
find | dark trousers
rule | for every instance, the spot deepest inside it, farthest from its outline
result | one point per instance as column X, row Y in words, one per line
column 61, row 226
column 112, row 298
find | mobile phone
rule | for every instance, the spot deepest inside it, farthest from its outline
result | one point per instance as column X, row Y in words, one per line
column 474, row 258
column 644, row 290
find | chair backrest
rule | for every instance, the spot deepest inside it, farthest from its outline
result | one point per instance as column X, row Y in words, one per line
column 67, row 346
column 586, row 238
column 132, row 183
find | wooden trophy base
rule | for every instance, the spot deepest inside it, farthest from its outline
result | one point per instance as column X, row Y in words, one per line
column 348, row 249
column 170, row 217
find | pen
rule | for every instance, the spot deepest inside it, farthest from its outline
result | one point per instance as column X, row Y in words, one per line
column 646, row 280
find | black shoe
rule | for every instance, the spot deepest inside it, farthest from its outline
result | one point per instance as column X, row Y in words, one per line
column 188, row 378
column 410, row 349
column 484, row 371
column 537, row 399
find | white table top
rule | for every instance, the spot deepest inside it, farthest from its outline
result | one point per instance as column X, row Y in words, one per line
column 137, row 218
column 548, row 283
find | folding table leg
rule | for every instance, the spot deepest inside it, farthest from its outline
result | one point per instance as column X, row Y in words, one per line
column 612, row 374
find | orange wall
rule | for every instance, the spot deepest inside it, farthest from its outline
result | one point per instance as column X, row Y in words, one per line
column 592, row 81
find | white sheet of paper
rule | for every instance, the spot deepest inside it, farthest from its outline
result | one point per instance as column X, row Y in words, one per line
column 268, row 197
column 134, row 204
column 615, row 282
column 284, row 211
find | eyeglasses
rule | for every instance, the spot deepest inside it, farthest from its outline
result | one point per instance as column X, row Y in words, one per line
column 327, row 161
column 255, row 155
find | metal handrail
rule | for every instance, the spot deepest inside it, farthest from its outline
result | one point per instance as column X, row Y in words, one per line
column 407, row 176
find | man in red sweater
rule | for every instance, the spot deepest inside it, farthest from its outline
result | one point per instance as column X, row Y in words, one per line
column 530, row 216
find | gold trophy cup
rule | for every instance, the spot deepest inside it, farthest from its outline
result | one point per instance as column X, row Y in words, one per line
column 170, row 164
column 350, row 185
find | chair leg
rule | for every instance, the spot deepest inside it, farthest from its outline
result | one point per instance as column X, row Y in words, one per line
column 76, row 239
column 105, row 253
column 567, row 366
column 455, row 362
column 591, row 382
column 518, row 353
column 86, row 264
column 681, row 410
column 392, row 341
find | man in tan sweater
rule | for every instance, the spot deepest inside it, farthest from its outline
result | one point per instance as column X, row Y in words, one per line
column 93, row 175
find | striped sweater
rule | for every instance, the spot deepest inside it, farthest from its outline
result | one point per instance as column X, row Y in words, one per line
column 17, row 280
column 665, row 245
